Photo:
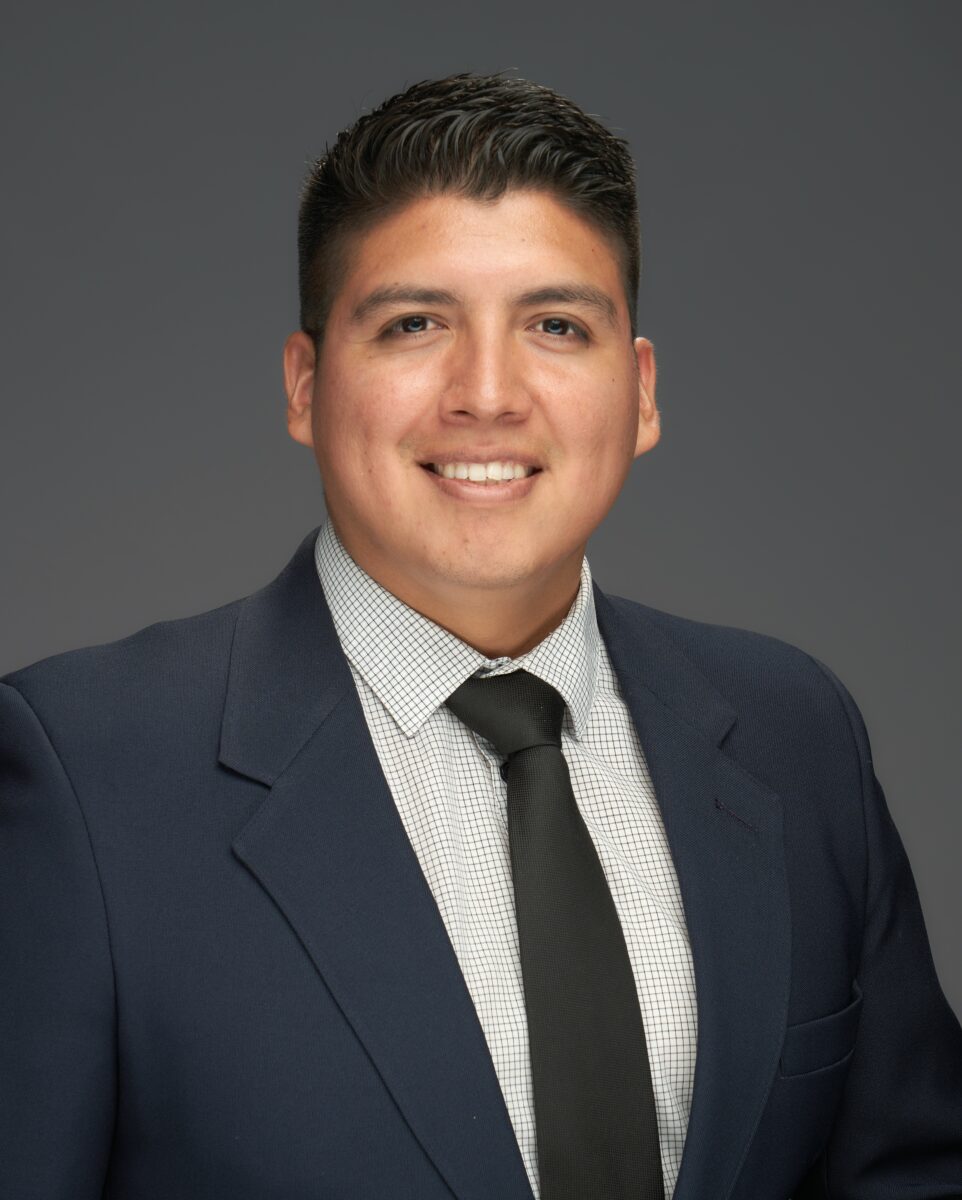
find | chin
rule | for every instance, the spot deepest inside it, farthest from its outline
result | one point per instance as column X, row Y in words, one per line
column 473, row 572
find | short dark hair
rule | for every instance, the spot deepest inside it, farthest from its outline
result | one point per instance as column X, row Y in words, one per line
column 476, row 136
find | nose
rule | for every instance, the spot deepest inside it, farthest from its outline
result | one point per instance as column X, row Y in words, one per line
column 486, row 380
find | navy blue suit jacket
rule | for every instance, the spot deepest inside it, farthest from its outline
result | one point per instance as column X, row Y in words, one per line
column 223, row 975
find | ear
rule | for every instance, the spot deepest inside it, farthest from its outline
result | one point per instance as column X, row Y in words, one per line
column 300, row 362
column 649, row 421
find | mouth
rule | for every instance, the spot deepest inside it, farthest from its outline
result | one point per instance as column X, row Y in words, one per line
column 483, row 483
column 483, row 474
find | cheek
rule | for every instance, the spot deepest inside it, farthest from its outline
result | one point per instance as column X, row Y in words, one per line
column 371, row 405
column 600, row 434
column 364, row 419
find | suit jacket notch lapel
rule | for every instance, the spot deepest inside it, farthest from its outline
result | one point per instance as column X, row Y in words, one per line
column 286, row 671
column 724, row 829
column 328, row 846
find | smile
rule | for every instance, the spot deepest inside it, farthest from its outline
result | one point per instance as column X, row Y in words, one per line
column 483, row 484
column 481, row 472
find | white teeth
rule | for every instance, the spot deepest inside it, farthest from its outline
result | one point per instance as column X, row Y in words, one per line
column 482, row 472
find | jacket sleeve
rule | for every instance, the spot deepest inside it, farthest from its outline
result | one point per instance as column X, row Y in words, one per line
column 898, row 1132
column 57, row 1041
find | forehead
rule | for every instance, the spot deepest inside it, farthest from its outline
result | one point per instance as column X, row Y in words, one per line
column 524, row 237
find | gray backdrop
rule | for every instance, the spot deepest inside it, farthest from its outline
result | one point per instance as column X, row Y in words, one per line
column 800, row 192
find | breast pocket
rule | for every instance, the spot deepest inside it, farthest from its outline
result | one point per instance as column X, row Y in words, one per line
column 822, row 1042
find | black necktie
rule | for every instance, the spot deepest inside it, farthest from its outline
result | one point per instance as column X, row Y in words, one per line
column 594, row 1105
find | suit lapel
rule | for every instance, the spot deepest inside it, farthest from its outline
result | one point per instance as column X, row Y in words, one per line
column 327, row 843
column 725, row 832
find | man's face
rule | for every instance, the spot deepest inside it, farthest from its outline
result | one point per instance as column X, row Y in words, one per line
column 470, row 333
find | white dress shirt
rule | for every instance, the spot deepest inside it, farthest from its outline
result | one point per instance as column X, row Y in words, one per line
column 446, row 783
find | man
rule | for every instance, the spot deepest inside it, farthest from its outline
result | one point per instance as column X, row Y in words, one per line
column 429, row 870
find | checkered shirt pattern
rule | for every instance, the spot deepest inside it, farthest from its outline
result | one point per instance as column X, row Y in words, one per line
column 446, row 782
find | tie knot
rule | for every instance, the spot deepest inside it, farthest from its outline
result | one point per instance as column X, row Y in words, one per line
column 513, row 711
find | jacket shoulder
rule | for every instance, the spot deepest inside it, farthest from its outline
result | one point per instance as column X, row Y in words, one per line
column 179, row 660
column 760, row 673
column 712, row 646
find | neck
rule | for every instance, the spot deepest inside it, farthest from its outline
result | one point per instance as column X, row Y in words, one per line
column 496, row 621
column 496, row 624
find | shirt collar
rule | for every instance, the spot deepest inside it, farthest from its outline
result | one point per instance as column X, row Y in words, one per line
column 412, row 665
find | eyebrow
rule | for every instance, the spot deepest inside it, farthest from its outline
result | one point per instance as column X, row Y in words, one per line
column 559, row 293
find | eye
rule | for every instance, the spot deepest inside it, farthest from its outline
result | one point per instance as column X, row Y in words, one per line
column 402, row 327
column 559, row 327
